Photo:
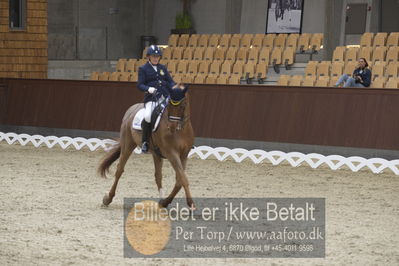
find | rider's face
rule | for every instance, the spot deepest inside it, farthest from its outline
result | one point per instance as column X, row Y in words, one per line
column 154, row 59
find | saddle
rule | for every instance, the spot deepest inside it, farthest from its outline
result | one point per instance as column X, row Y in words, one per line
column 159, row 109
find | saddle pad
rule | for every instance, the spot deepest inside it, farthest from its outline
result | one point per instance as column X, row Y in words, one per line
column 138, row 119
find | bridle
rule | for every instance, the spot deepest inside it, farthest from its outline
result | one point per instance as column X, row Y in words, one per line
column 181, row 120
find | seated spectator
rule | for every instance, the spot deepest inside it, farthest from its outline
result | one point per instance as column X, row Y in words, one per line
column 361, row 77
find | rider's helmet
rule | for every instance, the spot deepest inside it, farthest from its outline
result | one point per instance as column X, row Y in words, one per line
column 154, row 50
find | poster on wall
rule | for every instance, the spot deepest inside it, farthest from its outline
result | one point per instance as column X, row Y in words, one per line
column 284, row 16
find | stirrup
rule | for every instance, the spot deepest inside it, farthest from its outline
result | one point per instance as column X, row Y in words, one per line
column 144, row 147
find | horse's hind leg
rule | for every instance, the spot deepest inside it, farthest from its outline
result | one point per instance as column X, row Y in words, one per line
column 127, row 148
column 158, row 162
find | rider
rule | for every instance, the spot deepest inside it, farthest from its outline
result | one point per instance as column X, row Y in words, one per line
column 153, row 79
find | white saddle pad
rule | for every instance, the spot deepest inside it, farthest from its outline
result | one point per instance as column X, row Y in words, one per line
column 138, row 118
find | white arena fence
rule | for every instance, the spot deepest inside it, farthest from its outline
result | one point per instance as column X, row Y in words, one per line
column 314, row 160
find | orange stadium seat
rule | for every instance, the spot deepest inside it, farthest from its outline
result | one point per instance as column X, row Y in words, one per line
column 203, row 40
column 173, row 39
column 103, row 76
column 380, row 39
column 367, row 39
column 167, row 53
column 336, row 69
column 392, row 83
column 222, row 79
column 264, row 55
column 234, row 79
column 242, row 54
column 188, row 53
column 172, row 67
column 193, row 40
column 249, row 71
column 392, row 54
column 276, row 56
column 339, row 53
column 210, row 79
column 316, row 41
column 220, row 54
column 378, row 69
column 177, row 53
column 183, row 40
column 292, row 41
column 308, row 81
column 295, row 80
column 199, row 53
column 231, row 54
column 351, row 54
column 258, row 40
column 322, row 82
column 311, row 67
column 304, row 42
column 393, row 39
column 392, row 69
column 238, row 68
column 323, row 69
column 288, row 56
column 261, row 72
column 365, row 52
column 246, row 40
column 268, row 41
column 182, row 67
column 253, row 54
column 226, row 68
column 225, row 40
column 199, row 79
column 94, row 76
column 283, row 80
column 379, row 53
column 214, row 68
column 193, row 67
column 235, row 41
column 214, row 40
column 114, row 76
column 209, row 53
column 280, row 40
column 378, row 82
column 203, row 67
column 120, row 66
column 125, row 76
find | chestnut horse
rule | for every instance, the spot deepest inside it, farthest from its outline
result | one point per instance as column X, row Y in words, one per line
column 173, row 140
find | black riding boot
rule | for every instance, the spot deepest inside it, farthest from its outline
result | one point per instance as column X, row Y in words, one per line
column 146, row 136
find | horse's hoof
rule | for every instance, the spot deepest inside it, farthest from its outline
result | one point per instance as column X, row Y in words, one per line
column 163, row 203
column 106, row 200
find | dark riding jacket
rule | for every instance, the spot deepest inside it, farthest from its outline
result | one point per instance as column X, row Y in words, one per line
column 160, row 79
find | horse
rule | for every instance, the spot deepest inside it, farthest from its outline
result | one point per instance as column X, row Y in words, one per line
column 172, row 140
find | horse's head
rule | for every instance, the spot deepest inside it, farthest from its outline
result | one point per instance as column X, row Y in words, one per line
column 177, row 107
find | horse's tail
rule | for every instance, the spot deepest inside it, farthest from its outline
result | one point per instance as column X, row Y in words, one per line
column 111, row 157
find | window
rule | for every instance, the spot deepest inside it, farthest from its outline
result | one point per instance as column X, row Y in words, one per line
column 17, row 14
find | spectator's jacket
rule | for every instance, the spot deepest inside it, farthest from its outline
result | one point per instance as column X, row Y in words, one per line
column 365, row 74
column 160, row 79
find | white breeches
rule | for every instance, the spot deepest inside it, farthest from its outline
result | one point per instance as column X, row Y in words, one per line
column 149, row 107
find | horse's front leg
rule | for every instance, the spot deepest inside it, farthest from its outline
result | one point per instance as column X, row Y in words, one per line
column 158, row 162
column 181, row 180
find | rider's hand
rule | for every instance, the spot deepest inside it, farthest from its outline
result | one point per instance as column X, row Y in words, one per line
column 152, row 90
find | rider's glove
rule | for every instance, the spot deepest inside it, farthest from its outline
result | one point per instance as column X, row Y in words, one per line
column 152, row 90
